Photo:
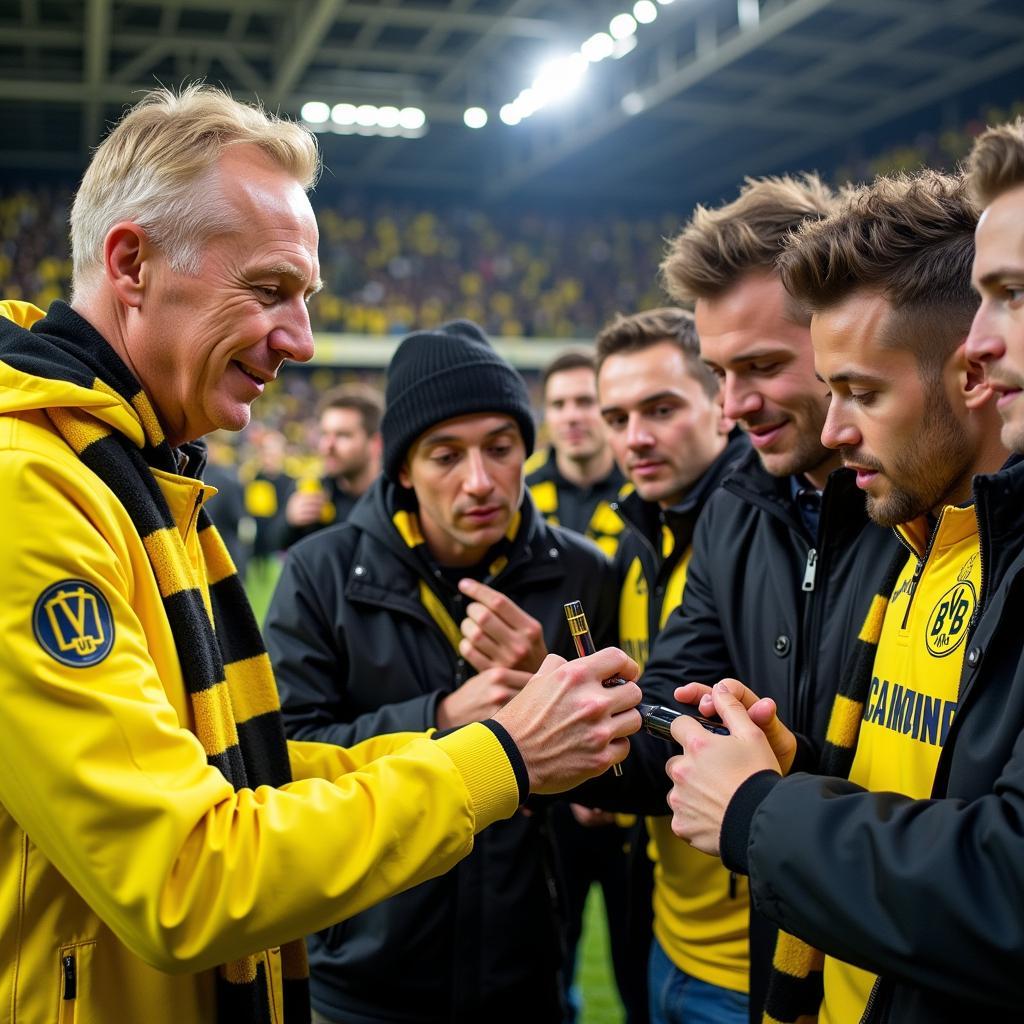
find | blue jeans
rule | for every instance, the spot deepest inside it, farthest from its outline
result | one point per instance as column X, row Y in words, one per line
column 678, row 998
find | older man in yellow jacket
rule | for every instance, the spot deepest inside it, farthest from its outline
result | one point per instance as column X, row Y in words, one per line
column 162, row 848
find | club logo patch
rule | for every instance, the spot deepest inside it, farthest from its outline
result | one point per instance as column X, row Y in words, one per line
column 73, row 623
column 948, row 622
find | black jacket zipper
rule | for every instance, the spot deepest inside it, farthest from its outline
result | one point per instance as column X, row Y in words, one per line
column 70, row 977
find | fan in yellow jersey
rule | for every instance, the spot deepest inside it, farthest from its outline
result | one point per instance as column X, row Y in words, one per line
column 666, row 427
column 888, row 279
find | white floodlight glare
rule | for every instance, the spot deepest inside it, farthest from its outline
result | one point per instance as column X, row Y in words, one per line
column 559, row 78
column 665, row 3
column 644, row 11
column 509, row 114
column 315, row 112
column 387, row 117
column 528, row 102
column 343, row 114
column 622, row 26
column 475, row 117
column 632, row 103
column 624, row 46
column 597, row 47
column 366, row 115
column 412, row 118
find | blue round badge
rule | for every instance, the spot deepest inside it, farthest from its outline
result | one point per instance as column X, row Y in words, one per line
column 73, row 623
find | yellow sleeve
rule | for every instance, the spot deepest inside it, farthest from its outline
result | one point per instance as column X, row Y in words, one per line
column 24, row 314
column 98, row 770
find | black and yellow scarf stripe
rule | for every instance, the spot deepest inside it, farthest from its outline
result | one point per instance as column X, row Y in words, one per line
column 795, row 988
column 223, row 662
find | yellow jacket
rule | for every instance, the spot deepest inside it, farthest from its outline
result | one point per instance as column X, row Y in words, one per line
column 119, row 844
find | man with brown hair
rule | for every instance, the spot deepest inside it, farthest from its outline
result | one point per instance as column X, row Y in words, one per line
column 574, row 481
column 909, row 838
column 665, row 425
column 349, row 446
column 785, row 561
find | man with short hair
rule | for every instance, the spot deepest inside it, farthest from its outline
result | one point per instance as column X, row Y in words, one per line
column 666, row 427
column 164, row 847
column 430, row 607
column 574, row 482
column 349, row 446
column 909, row 839
column 785, row 561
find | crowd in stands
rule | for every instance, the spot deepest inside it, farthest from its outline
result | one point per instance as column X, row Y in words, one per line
column 388, row 268
column 391, row 267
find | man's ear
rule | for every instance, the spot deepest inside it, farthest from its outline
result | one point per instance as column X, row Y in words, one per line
column 974, row 390
column 126, row 252
column 403, row 475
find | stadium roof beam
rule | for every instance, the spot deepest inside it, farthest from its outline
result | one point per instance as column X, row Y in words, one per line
column 955, row 77
column 97, row 60
column 309, row 25
column 386, row 149
column 712, row 54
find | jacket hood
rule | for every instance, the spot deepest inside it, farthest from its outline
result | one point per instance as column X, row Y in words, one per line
column 42, row 368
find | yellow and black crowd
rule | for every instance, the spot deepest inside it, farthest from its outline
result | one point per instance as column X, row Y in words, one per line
column 784, row 483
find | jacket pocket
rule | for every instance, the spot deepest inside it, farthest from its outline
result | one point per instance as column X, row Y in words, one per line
column 74, row 965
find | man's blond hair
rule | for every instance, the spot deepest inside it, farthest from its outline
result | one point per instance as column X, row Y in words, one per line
column 719, row 246
column 157, row 169
column 996, row 163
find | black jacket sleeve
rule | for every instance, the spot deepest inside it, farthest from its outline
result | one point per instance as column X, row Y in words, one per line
column 692, row 646
column 309, row 652
column 928, row 891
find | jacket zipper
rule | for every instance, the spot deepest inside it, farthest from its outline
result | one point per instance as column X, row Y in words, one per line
column 810, row 569
column 70, row 977
column 922, row 561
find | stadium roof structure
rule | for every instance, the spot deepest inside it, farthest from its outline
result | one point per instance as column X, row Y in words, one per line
column 695, row 96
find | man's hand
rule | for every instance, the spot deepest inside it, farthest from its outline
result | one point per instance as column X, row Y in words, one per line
column 567, row 726
column 480, row 696
column 591, row 817
column 497, row 632
column 304, row 508
column 763, row 712
column 705, row 778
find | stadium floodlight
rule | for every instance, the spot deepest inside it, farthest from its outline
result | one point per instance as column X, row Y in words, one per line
column 624, row 46
column 411, row 118
column 315, row 112
column 559, row 78
column 510, row 115
column 597, row 47
column 366, row 115
column 665, row 3
column 343, row 114
column 387, row 117
column 528, row 102
column 475, row 117
column 644, row 11
column 632, row 103
column 622, row 26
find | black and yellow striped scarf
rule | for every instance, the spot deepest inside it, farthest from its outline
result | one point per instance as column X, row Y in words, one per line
column 224, row 665
column 795, row 985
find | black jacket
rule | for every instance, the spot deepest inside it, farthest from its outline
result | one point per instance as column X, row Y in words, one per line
column 929, row 894
column 760, row 607
column 356, row 654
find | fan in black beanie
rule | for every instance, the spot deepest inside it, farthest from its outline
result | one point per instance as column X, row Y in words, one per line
column 443, row 373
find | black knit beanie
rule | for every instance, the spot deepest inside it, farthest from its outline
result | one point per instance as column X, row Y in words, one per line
column 443, row 373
